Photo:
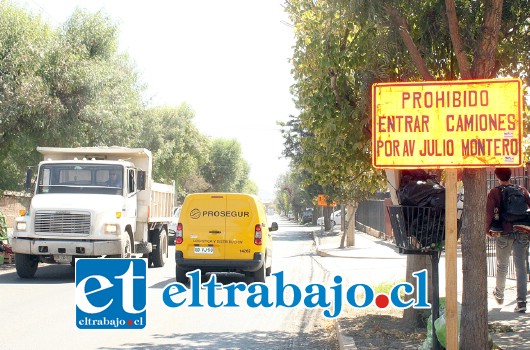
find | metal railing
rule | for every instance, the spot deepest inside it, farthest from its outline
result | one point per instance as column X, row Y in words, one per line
column 371, row 214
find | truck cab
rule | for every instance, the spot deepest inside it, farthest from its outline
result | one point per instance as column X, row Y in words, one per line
column 93, row 202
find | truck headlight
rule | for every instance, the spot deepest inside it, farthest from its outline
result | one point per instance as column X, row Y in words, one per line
column 111, row 228
column 21, row 226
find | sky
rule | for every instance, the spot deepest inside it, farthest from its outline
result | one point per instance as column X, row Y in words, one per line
column 229, row 60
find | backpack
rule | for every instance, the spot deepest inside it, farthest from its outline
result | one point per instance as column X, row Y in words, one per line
column 513, row 203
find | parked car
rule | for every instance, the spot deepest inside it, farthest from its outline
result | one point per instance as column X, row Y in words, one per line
column 290, row 216
column 334, row 218
column 307, row 216
column 172, row 227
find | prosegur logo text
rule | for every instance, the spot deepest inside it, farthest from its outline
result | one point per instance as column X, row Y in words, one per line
column 330, row 299
column 196, row 213
column 110, row 293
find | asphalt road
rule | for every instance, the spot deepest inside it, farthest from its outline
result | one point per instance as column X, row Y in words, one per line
column 41, row 312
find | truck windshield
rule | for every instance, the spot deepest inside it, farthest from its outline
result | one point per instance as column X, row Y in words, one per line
column 75, row 178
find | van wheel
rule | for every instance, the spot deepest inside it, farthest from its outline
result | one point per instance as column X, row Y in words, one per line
column 268, row 270
column 259, row 276
column 180, row 275
column 26, row 265
column 249, row 278
column 159, row 254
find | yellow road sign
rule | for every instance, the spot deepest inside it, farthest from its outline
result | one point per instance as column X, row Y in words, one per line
column 323, row 201
column 449, row 124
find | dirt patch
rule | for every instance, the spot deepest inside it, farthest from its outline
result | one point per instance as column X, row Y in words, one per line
column 374, row 328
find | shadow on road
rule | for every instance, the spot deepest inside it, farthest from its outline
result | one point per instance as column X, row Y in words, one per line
column 46, row 274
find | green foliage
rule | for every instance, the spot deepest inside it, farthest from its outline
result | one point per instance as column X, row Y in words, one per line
column 343, row 47
column 293, row 193
column 3, row 226
column 71, row 87
column 250, row 187
column 97, row 86
column 91, row 35
column 226, row 170
column 61, row 88
column 178, row 148
column 330, row 137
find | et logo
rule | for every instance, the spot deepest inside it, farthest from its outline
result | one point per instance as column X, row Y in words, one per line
column 110, row 293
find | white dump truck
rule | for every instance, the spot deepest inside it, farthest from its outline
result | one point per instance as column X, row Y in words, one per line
column 93, row 202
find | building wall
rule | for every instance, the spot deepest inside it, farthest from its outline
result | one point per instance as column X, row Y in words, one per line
column 10, row 204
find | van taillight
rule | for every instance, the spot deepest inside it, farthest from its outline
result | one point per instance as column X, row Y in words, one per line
column 257, row 235
column 178, row 234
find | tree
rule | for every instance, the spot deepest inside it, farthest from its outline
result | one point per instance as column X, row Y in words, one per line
column 179, row 149
column 97, row 85
column 293, row 192
column 226, row 170
column 61, row 88
column 329, row 138
column 71, row 87
column 26, row 107
column 343, row 47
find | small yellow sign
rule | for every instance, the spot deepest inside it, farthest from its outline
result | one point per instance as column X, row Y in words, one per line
column 450, row 124
column 324, row 202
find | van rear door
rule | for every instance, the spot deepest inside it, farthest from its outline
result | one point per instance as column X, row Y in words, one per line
column 205, row 227
column 241, row 220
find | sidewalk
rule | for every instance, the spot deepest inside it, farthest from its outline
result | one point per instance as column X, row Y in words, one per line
column 510, row 330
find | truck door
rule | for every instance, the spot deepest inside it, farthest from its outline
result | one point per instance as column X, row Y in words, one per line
column 131, row 202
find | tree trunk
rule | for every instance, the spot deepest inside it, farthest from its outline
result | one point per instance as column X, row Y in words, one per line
column 327, row 213
column 412, row 317
column 348, row 235
column 350, row 228
column 474, row 321
column 415, row 317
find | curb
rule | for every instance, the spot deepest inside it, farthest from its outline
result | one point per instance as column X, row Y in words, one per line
column 344, row 343
column 316, row 241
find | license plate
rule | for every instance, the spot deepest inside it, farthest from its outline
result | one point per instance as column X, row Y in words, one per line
column 62, row 258
column 203, row 250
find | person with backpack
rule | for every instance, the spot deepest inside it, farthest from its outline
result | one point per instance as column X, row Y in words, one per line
column 507, row 209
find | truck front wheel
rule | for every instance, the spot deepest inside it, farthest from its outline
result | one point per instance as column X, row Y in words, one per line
column 126, row 249
column 26, row 265
column 159, row 253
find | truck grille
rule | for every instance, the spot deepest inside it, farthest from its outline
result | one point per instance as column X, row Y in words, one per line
column 62, row 223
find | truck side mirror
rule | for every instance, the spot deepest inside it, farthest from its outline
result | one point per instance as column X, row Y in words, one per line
column 29, row 176
column 141, row 180
column 274, row 227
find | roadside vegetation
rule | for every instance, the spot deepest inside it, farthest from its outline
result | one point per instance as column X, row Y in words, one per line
column 70, row 86
column 343, row 47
